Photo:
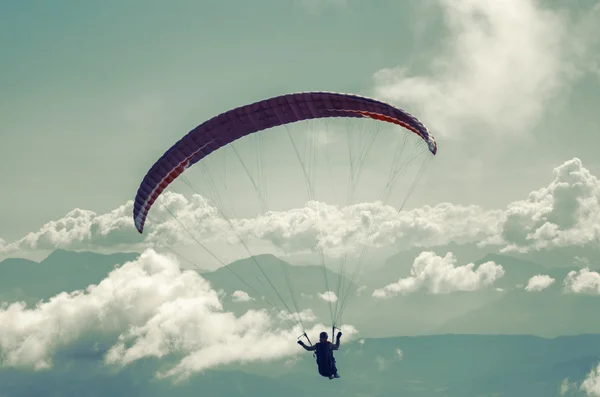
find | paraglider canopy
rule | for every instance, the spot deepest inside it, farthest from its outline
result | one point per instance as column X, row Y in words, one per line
column 221, row 131
column 234, row 124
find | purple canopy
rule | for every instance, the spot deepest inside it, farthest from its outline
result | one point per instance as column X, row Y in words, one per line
column 236, row 123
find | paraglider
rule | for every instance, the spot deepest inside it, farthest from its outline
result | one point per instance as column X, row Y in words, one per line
column 324, row 354
column 234, row 124
column 221, row 131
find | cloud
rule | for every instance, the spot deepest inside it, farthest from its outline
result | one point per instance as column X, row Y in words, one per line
column 150, row 308
column 334, row 230
column 567, row 387
column 384, row 363
column 82, row 229
column 328, row 296
column 400, row 354
column 343, row 230
column 539, row 282
column 304, row 316
column 129, row 296
column 564, row 213
column 591, row 384
column 439, row 275
column 241, row 296
column 502, row 63
column 583, row 281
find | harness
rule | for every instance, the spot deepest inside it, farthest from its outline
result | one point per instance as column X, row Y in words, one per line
column 324, row 358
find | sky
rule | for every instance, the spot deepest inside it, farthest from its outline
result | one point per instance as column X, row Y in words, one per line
column 93, row 94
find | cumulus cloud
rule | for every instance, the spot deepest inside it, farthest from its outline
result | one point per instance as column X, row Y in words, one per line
column 539, row 282
column 241, row 296
column 439, row 275
column 151, row 308
column 130, row 295
column 342, row 230
column 502, row 63
column 564, row 213
column 591, row 384
column 328, row 296
column 334, row 230
column 304, row 316
column 81, row 229
column 583, row 281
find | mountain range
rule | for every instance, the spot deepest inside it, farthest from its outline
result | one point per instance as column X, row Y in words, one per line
column 440, row 365
column 504, row 308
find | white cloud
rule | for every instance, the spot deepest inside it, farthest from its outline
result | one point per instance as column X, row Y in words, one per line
column 130, row 295
column 241, row 296
column 502, row 63
column 257, row 342
column 439, row 275
column 567, row 387
column 583, row 281
column 305, row 315
column 328, row 296
column 565, row 213
column 400, row 354
column 339, row 230
column 591, row 384
column 335, row 230
column 539, row 282
column 153, row 309
column 82, row 229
